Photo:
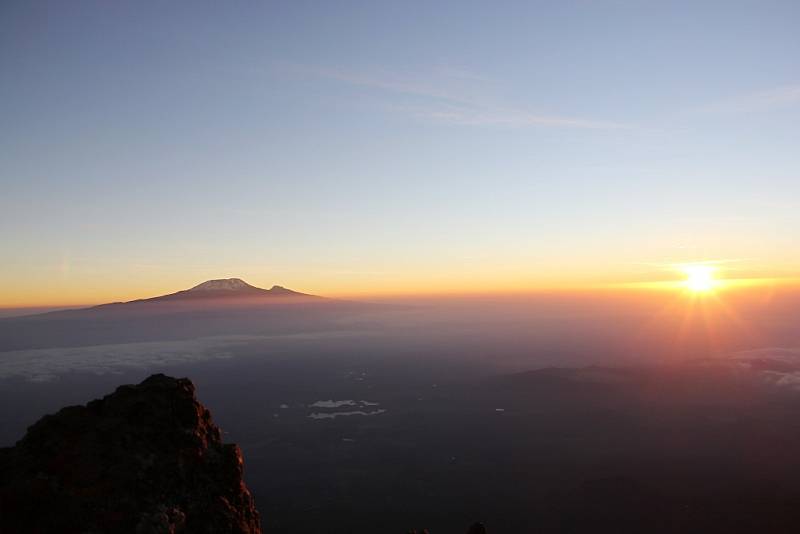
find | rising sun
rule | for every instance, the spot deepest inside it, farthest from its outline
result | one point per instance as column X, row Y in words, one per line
column 699, row 278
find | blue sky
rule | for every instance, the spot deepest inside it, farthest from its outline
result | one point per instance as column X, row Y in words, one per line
column 364, row 147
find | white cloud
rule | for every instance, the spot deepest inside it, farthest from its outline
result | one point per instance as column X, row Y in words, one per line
column 44, row 365
column 789, row 380
column 777, row 366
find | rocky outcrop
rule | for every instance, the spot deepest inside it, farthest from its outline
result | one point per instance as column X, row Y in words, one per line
column 145, row 459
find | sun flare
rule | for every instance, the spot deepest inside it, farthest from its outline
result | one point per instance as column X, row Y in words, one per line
column 699, row 278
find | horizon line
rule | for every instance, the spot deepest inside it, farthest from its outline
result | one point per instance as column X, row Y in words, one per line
column 646, row 286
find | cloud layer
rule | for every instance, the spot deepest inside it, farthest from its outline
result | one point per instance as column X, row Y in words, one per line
column 42, row 365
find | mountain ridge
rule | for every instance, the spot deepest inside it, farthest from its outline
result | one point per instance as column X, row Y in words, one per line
column 221, row 307
column 224, row 288
column 221, row 289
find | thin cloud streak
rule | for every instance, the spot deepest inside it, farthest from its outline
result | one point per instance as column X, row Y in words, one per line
column 386, row 82
column 451, row 105
column 760, row 101
column 510, row 117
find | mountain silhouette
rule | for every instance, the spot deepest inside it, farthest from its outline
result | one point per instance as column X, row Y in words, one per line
column 224, row 288
column 217, row 307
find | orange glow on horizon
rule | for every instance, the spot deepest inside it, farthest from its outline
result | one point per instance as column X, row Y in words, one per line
column 88, row 294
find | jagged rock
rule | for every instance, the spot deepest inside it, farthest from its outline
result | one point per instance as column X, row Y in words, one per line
column 145, row 459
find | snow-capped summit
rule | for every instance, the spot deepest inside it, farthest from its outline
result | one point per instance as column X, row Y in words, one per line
column 222, row 289
column 228, row 287
column 223, row 284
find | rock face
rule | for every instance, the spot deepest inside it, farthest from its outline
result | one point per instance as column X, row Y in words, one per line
column 145, row 459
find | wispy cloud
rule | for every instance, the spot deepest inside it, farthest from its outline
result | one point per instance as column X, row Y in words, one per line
column 778, row 366
column 44, row 365
column 448, row 95
column 384, row 81
column 512, row 117
column 759, row 101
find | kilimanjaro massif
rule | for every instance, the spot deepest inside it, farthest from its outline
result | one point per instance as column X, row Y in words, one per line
column 215, row 307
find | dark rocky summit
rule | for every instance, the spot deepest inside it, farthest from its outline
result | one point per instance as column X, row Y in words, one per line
column 145, row 459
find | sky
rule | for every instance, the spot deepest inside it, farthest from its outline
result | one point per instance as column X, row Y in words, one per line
column 364, row 148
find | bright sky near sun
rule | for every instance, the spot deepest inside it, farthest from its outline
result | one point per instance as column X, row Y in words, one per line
column 363, row 148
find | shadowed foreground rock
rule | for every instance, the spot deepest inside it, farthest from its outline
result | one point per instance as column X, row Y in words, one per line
column 145, row 459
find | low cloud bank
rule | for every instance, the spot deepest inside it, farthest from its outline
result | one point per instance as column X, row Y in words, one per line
column 44, row 365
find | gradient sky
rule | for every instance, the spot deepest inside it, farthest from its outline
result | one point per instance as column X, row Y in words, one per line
column 359, row 148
